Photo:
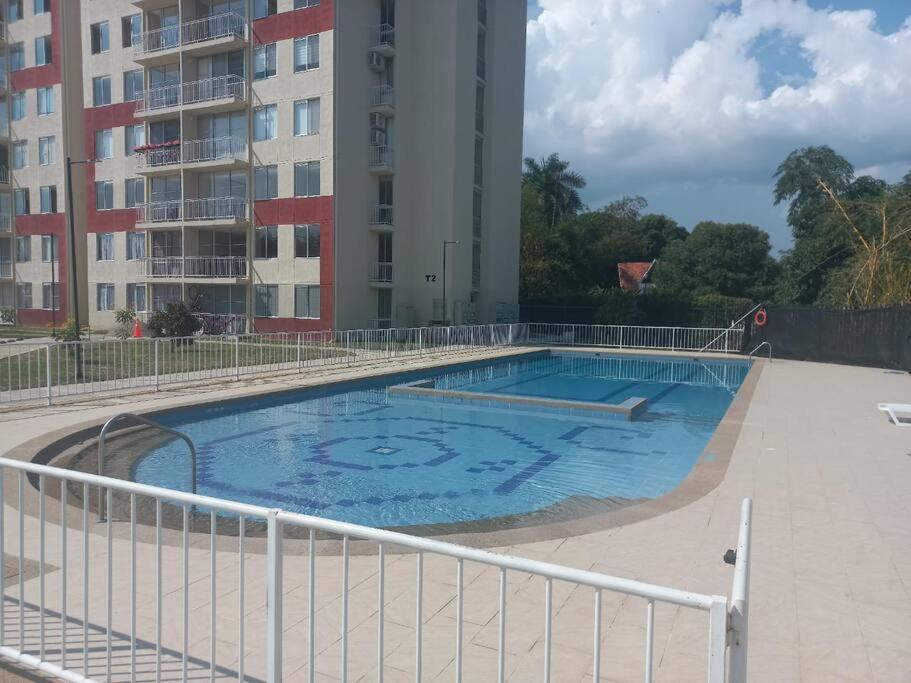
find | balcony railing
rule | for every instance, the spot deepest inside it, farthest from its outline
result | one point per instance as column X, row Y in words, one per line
column 194, row 92
column 231, row 267
column 381, row 323
column 380, row 272
column 382, row 96
column 160, row 212
column 159, row 156
column 214, row 149
column 2, row 30
column 222, row 323
column 382, row 37
column 225, row 25
column 381, row 214
column 4, row 175
column 380, row 155
column 6, row 224
column 6, row 269
column 215, row 208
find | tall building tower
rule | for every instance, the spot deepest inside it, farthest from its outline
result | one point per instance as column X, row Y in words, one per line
column 278, row 164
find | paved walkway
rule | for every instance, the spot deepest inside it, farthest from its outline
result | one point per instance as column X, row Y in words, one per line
column 831, row 591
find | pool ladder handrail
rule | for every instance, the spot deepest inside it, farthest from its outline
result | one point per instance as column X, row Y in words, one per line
column 149, row 423
column 765, row 343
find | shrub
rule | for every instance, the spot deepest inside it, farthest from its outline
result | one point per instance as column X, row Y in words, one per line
column 175, row 321
column 124, row 317
column 69, row 332
column 7, row 316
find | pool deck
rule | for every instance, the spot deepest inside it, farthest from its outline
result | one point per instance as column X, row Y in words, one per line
column 830, row 478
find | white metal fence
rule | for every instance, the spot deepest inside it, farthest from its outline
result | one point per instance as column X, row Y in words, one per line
column 169, row 585
column 194, row 92
column 638, row 337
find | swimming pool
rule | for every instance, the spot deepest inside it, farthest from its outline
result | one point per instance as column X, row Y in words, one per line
column 362, row 454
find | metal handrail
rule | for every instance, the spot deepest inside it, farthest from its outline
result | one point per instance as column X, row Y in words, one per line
column 740, row 596
column 150, row 423
column 732, row 326
column 765, row 343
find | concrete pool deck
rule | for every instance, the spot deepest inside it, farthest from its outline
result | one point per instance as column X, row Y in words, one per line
column 831, row 573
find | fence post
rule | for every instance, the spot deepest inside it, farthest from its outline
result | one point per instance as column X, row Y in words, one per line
column 47, row 355
column 157, row 385
column 274, row 565
column 348, row 347
column 621, row 336
column 718, row 619
column 673, row 339
column 492, row 342
column 237, row 358
column 420, row 341
column 300, row 367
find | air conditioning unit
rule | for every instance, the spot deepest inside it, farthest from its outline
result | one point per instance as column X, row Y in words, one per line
column 377, row 121
column 377, row 137
column 376, row 61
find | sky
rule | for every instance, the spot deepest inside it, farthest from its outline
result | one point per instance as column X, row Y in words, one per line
column 692, row 104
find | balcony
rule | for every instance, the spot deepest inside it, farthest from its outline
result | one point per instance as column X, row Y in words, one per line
column 382, row 39
column 4, row 175
column 380, row 273
column 380, row 216
column 380, row 159
column 6, row 270
column 196, row 267
column 222, row 323
column 6, row 225
column 381, row 324
column 208, row 154
column 382, row 99
column 2, row 30
column 207, row 211
column 222, row 93
column 217, row 33
column 158, row 158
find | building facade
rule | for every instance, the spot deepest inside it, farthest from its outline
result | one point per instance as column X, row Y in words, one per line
column 277, row 164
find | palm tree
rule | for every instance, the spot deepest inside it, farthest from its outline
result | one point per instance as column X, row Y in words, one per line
column 556, row 185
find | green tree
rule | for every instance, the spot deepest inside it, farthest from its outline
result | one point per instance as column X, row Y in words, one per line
column 658, row 232
column 557, row 187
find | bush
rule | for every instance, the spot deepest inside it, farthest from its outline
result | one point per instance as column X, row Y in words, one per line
column 175, row 321
column 124, row 317
column 7, row 316
column 69, row 332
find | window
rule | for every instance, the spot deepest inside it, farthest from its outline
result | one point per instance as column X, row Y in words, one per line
column 48, row 198
column 47, row 151
column 266, row 301
column 306, row 179
column 132, row 85
column 104, row 295
column 133, row 136
column 21, row 202
column 17, row 56
column 264, row 61
column 101, row 91
column 20, row 154
column 14, row 10
column 50, row 295
column 130, row 29
column 136, row 246
column 306, row 117
column 306, row 241
column 264, row 8
column 18, row 106
column 306, row 301
column 104, row 144
column 43, row 51
column 104, row 246
column 136, row 297
column 306, row 53
column 42, row 6
column 266, row 242
column 134, row 191
column 23, row 249
column 299, row 4
column 265, row 182
column 104, row 194
column 49, row 248
column 100, row 37
column 265, row 122
column 24, row 295
column 45, row 100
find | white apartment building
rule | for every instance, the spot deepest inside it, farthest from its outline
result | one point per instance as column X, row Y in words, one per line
column 278, row 164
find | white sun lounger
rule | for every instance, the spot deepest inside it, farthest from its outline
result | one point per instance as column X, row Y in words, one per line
column 899, row 413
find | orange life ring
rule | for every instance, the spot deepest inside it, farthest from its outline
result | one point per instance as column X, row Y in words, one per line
column 761, row 318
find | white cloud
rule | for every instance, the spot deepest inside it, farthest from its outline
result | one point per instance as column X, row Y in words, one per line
column 636, row 91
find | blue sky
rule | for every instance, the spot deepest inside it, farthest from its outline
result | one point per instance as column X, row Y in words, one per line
column 693, row 103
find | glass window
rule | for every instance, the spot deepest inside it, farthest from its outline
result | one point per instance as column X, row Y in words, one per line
column 20, row 154
column 134, row 191
column 100, row 38
column 264, row 61
column 264, row 8
column 136, row 246
column 306, row 241
column 104, row 246
column 42, row 6
column 105, row 292
column 49, row 248
column 266, row 242
column 24, row 295
column 104, row 144
column 45, row 100
column 306, row 179
column 306, row 301
column 265, row 122
column 14, row 10
column 132, row 85
column 50, row 295
column 130, row 29
column 47, row 151
column 306, row 117
column 299, row 4
column 136, row 297
column 48, row 197
column 101, row 91
column 265, row 182
column 134, row 136
column 43, row 51
column 306, row 53
column 17, row 104
column 21, row 201
column 23, row 248
column 104, row 194
column 266, row 301
column 17, row 56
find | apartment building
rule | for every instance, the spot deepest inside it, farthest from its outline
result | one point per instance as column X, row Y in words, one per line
column 277, row 164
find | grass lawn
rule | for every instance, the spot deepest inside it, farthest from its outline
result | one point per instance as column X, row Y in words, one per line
column 14, row 332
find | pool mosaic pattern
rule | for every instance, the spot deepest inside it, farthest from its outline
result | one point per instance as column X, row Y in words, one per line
column 364, row 456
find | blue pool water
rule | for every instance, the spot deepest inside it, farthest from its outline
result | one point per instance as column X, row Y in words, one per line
column 360, row 454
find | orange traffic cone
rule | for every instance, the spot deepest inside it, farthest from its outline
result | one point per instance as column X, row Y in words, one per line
column 137, row 329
